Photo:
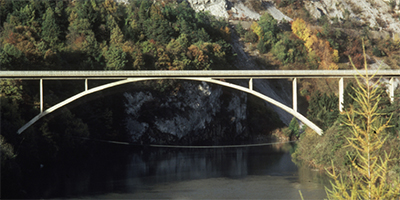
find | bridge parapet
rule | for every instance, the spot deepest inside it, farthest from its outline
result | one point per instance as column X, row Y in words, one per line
column 222, row 74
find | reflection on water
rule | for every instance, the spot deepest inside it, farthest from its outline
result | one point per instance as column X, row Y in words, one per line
column 152, row 173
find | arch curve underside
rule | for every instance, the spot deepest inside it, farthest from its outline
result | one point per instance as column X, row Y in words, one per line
column 209, row 80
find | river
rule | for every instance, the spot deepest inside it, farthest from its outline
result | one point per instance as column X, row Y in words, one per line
column 264, row 172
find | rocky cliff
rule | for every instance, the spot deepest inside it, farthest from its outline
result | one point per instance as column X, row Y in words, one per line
column 378, row 14
column 381, row 15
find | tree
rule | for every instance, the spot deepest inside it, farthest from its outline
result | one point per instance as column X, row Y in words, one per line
column 323, row 109
column 199, row 57
column 316, row 46
column 370, row 177
column 300, row 28
column 354, row 51
column 11, row 57
column 240, row 29
column 24, row 16
column 116, row 58
column 50, row 30
column 294, row 127
column 267, row 31
column 25, row 39
column 116, row 37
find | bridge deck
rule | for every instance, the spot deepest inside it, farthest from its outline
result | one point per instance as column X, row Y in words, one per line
column 219, row 74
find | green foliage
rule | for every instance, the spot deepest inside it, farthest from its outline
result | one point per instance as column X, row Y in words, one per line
column 322, row 151
column 250, row 37
column 11, row 57
column 289, row 49
column 50, row 30
column 11, row 89
column 294, row 127
column 23, row 16
column 7, row 152
column 116, row 37
column 262, row 119
column 267, row 31
column 240, row 29
column 348, row 93
column 115, row 58
column 62, row 35
column 377, row 52
column 323, row 109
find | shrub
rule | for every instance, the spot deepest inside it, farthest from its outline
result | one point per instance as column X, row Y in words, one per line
column 377, row 52
column 250, row 36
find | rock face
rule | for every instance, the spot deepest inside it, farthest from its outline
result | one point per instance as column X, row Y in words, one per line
column 376, row 13
column 224, row 9
column 197, row 113
column 275, row 13
column 239, row 10
column 217, row 8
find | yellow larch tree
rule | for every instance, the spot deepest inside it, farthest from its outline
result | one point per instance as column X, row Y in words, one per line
column 369, row 180
column 301, row 29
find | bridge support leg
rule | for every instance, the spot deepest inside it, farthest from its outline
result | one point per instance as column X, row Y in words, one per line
column 251, row 84
column 341, row 93
column 294, row 83
column 86, row 84
column 41, row 95
column 391, row 90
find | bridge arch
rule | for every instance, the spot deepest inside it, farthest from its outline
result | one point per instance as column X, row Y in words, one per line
column 209, row 80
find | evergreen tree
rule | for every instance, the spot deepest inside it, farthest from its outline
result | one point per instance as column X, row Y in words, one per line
column 294, row 127
column 11, row 58
column 116, row 37
column 115, row 58
column 50, row 29
column 323, row 109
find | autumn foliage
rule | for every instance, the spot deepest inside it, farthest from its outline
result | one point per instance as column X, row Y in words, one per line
column 354, row 50
column 318, row 48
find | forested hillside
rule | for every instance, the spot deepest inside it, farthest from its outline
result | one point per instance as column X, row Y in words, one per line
column 88, row 35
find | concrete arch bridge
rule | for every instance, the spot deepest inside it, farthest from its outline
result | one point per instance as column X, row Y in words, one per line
column 214, row 77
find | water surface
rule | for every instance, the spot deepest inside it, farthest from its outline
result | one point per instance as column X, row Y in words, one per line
column 265, row 172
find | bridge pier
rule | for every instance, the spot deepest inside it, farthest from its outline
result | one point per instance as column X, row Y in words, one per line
column 391, row 90
column 294, row 87
column 251, row 84
column 86, row 84
column 41, row 95
column 341, row 93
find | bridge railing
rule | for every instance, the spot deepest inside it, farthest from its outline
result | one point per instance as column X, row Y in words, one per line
column 219, row 74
